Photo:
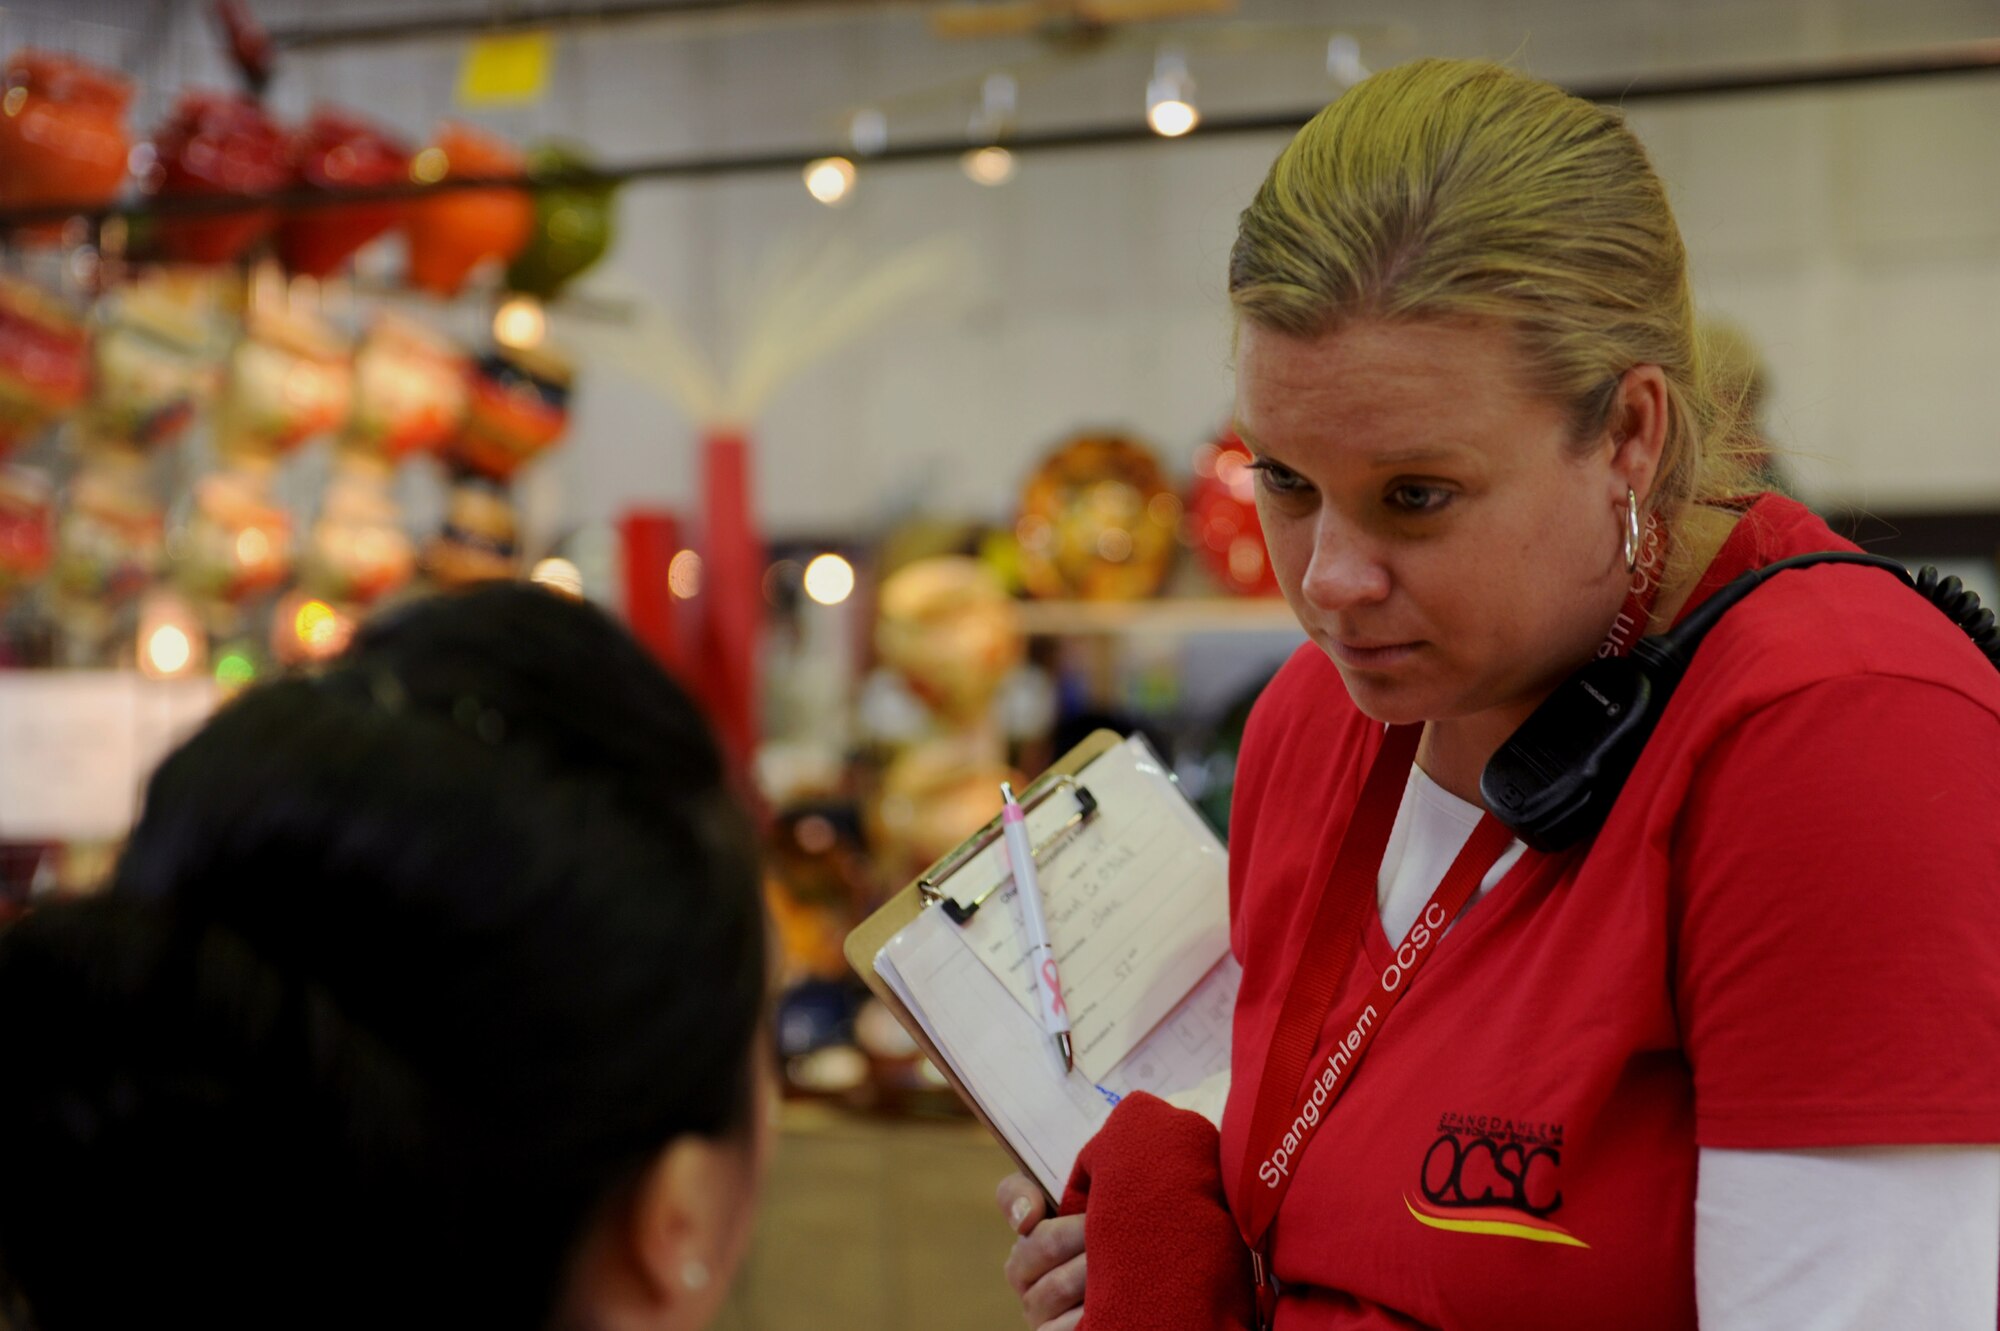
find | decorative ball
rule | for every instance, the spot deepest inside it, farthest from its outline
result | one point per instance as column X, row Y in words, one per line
column 337, row 150
column 62, row 135
column 518, row 407
column 454, row 231
column 357, row 551
column 238, row 541
column 409, row 390
column 478, row 540
column 290, row 378
column 948, row 627
column 44, row 361
column 155, row 358
column 218, row 144
column 27, row 517
column 1097, row 521
column 1222, row 523
column 572, row 227
column 112, row 535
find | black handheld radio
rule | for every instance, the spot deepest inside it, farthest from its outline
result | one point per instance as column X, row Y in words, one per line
column 1554, row 780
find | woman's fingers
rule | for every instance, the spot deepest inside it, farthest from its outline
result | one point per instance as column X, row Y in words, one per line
column 1046, row 1266
column 1020, row 1200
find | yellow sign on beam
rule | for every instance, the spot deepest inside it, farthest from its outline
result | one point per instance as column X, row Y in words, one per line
column 507, row 70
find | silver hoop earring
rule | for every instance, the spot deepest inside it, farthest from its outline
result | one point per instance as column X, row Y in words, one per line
column 1631, row 531
column 694, row 1273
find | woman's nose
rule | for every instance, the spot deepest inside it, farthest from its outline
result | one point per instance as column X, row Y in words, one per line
column 1345, row 570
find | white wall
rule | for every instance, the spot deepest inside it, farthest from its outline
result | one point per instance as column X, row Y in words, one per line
column 1855, row 233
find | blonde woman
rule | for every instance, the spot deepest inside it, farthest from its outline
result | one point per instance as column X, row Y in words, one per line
column 1736, row 1060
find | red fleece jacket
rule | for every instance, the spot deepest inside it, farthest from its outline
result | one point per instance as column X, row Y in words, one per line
column 1164, row 1250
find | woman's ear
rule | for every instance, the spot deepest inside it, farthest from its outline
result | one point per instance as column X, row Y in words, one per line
column 1638, row 431
column 660, row 1260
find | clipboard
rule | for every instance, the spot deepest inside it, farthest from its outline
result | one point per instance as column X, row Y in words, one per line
column 874, row 933
column 1140, row 788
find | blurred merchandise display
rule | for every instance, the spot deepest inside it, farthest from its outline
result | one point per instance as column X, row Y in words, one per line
column 44, row 361
column 155, row 355
column 572, row 226
column 62, row 135
column 1222, row 523
column 27, row 538
column 334, row 151
column 217, row 145
column 1098, row 521
column 518, row 406
column 410, row 390
column 290, row 378
column 479, row 540
column 452, row 233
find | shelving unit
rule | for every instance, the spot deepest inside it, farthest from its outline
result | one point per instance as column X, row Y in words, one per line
column 1166, row 618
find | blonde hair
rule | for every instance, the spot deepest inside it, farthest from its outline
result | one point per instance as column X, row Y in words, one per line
column 1448, row 189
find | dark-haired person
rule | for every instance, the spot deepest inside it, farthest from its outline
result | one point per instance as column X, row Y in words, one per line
column 1735, row 1061
column 426, row 994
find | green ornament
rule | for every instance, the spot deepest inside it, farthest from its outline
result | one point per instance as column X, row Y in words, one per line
column 572, row 225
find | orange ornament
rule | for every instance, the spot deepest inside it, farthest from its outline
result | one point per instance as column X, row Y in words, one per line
column 62, row 135
column 453, row 232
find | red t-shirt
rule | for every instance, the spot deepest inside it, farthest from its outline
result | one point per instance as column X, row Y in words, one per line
column 1787, row 935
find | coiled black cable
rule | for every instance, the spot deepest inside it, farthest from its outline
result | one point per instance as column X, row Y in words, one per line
column 1956, row 600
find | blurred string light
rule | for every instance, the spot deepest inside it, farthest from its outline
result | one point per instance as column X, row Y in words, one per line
column 1170, row 108
column 684, row 574
column 868, row 131
column 171, row 642
column 829, row 579
column 560, row 575
column 520, row 323
column 991, row 165
column 168, row 652
column 321, row 630
column 429, row 166
column 234, row 669
column 1343, row 61
column 987, row 162
column 830, row 180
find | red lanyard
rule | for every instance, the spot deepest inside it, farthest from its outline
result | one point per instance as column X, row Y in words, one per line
column 1293, row 1100
column 1283, row 1123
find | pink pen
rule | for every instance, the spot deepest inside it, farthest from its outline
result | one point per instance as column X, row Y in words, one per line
column 1041, row 954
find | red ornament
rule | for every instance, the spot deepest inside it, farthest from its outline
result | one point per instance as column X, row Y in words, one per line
column 1222, row 518
column 454, row 231
column 219, row 144
column 62, row 135
column 44, row 362
column 518, row 406
column 337, row 151
column 27, row 529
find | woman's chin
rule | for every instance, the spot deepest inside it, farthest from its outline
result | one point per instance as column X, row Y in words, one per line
column 1393, row 702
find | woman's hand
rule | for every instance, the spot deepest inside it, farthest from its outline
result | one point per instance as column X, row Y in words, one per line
column 1046, row 1266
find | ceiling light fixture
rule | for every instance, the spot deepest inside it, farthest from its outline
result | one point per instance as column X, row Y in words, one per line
column 1343, row 61
column 868, row 131
column 830, row 180
column 1170, row 108
column 991, row 165
column 987, row 162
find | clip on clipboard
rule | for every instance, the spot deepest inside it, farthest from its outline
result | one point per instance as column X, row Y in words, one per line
column 1136, row 889
column 961, row 913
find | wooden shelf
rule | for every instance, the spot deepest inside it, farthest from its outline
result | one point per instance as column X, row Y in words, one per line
column 1170, row 617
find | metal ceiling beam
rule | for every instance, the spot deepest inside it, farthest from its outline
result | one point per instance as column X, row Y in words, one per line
column 437, row 26
column 1968, row 58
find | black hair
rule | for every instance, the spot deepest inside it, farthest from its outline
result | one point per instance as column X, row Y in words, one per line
column 404, row 977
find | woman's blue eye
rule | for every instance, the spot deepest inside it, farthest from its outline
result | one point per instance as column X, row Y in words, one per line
column 1419, row 498
column 1276, row 479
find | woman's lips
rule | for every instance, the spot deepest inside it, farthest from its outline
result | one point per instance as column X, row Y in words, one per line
column 1360, row 656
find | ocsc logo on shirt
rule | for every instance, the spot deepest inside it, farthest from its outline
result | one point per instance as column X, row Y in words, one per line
column 1493, row 1175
